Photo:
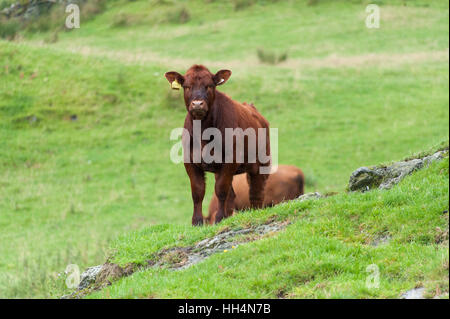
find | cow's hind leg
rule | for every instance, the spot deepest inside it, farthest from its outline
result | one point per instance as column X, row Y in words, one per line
column 256, row 192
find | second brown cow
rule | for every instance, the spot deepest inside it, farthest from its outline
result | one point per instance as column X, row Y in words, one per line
column 286, row 183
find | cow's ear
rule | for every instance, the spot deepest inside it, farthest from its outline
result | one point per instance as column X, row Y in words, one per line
column 175, row 79
column 221, row 77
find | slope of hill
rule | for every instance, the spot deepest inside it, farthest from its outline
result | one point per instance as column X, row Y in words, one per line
column 353, row 245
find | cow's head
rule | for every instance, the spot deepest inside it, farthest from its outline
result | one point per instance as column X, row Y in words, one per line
column 199, row 88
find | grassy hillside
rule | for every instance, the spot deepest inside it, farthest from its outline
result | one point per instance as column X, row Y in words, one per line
column 323, row 253
column 85, row 116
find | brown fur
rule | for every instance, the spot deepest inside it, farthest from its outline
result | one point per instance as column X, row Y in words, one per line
column 285, row 184
column 215, row 109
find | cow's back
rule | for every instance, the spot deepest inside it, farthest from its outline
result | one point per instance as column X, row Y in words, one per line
column 286, row 184
column 248, row 116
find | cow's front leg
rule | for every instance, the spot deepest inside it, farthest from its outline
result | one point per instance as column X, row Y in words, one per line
column 256, row 191
column 197, row 178
column 229, row 204
column 222, row 188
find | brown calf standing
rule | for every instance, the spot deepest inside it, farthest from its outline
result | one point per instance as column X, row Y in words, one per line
column 214, row 109
column 285, row 184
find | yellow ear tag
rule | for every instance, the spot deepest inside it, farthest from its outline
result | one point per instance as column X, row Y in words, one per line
column 176, row 85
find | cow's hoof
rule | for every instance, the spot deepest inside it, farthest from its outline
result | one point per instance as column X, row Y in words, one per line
column 218, row 219
column 197, row 221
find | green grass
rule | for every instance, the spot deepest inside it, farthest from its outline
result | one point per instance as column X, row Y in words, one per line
column 345, row 97
column 324, row 253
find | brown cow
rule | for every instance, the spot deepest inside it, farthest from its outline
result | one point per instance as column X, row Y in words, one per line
column 216, row 110
column 285, row 184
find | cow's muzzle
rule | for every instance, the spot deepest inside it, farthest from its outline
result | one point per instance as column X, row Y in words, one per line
column 198, row 109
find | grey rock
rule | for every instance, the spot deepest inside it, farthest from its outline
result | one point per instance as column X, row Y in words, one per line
column 33, row 8
column 416, row 293
column 89, row 276
column 309, row 196
column 189, row 256
column 383, row 240
column 365, row 178
column 434, row 157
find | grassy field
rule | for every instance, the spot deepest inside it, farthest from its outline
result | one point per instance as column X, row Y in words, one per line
column 85, row 120
column 323, row 253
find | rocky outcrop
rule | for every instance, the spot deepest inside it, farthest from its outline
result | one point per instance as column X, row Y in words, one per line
column 416, row 293
column 33, row 8
column 175, row 258
column 88, row 276
column 365, row 178
column 28, row 9
column 97, row 277
column 309, row 196
column 180, row 258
